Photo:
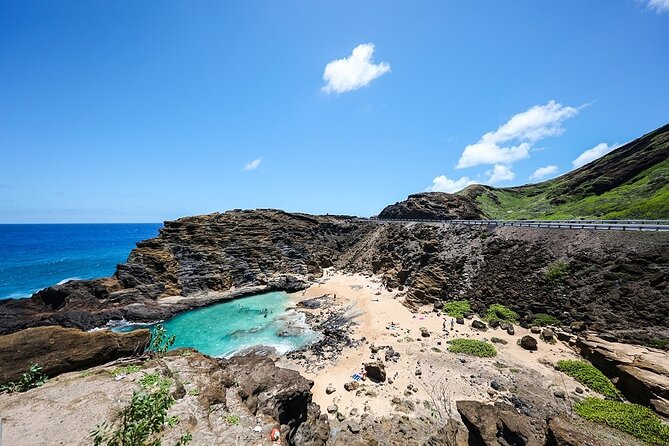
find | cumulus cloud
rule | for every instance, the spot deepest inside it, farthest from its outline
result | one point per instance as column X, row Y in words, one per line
column 513, row 140
column 499, row 173
column 589, row 155
column 354, row 71
column 445, row 184
column 253, row 164
column 544, row 172
column 659, row 6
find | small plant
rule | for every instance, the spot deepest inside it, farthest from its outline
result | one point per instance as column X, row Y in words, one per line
column 472, row 347
column 160, row 341
column 500, row 313
column 633, row 419
column 543, row 319
column 662, row 344
column 232, row 420
column 144, row 419
column 29, row 380
column 457, row 308
column 194, row 392
column 588, row 375
column 85, row 374
column 556, row 271
column 119, row 371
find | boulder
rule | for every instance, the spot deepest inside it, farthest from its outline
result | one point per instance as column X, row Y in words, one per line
column 528, row 343
column 59, row 350
column 478, row 325
column 376, row 371
column 548, row 335
column 351, row 386
column 460, row 320
column 494, row 425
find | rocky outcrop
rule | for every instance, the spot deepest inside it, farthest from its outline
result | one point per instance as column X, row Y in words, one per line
column 237, row 401
column 433, row 206
column 281, row 394
column 641, row 374
column 490, row 425
column 58, row 350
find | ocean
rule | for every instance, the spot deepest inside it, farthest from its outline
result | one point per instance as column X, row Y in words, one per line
column 34, row 256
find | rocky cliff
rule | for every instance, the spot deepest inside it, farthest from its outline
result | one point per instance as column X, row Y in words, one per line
column 609, row 281
column 433, row 206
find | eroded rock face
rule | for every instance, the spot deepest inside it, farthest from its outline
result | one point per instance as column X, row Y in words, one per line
column 433, row 206
column 642, row 374
column 207, row 391
column 58, row 350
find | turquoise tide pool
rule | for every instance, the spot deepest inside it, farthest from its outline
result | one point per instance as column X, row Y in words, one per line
column 225, row 328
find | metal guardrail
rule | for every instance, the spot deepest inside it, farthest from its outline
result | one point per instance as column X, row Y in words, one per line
column 608, row 225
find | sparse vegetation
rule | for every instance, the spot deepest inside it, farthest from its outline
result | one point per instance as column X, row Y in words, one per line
column 472, row 347
column 588, row 375
column 29, row 380
column 194, row 391
column 556, row 271
column 232, row 420
column 662, row 344
column 118, row 371
column 160, row 341
column 500, row 313
column 543, row 319
column 457, row 308
column 633, row 419
column 143, row 421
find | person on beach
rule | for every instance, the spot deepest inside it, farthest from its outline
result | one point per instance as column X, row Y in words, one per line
column 452, row 322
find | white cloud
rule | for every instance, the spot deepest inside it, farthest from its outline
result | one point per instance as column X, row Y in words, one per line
column 444, row 184
column 589, row 155
column 544, row 172
column 659, row 5
column 353, row 72
column 253, row 164
column 499, row 173
column 513, row 140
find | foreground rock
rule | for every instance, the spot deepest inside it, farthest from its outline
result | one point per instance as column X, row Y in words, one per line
column 433, row 206
column 219, row 402
column 58, row 350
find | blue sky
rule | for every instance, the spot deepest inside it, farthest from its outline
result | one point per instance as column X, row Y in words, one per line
column 132, row 111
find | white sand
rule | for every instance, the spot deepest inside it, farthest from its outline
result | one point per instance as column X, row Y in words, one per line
column 443, row 373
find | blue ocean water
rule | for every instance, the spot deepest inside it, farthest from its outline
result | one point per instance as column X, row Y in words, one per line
column 225, row 328
column 36, row 256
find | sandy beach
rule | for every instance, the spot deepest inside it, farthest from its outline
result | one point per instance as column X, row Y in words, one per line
column 426, row 377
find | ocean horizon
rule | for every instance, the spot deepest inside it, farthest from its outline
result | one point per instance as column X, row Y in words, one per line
column 38, row 255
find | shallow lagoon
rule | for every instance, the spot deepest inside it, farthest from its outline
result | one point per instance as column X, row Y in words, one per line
column 225, row 328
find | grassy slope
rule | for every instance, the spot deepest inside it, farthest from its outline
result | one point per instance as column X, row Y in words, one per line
column 591, row 191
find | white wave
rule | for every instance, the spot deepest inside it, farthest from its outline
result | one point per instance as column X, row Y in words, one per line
column 68, row 279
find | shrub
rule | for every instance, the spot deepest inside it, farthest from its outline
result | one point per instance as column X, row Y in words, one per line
column 556, row 271
column 160, row 342
column 500, row 313
column 662, row 344
column 232, row 420
column 543, row 319
column 144, row 419
column 118, row 371
column 29, row 380
column 457, row 308
column 472, row 347
column 633, row 419
column 588, row 375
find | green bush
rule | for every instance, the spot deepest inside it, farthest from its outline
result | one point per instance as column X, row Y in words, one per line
column 232, row 420
column 556, row 271
column 472, row 347
column 143, row 421
column 160, row 342
column 29, row 380
column 500, row 313
column 588, row 375
column 543, row 319
column 662, row 344
column 457, row 308
column 633, row 419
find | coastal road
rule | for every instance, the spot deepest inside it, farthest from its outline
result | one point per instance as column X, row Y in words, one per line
column 604, row 225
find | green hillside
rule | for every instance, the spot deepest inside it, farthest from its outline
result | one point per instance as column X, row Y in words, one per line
column 628, row 183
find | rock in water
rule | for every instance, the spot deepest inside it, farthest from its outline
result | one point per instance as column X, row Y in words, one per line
column 528, row 343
